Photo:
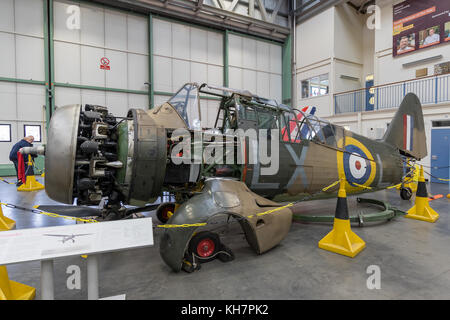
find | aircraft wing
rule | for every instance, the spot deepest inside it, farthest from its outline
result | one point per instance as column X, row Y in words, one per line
column 57, row 235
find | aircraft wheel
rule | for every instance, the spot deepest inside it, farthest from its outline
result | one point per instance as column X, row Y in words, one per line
column 204, row 245
column 405, row 193
column 163, row 211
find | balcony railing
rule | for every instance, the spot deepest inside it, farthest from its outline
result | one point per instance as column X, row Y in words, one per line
column 430, row 90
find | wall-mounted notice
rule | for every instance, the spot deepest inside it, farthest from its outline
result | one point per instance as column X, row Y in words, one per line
column 104, row 63
column 420, row 24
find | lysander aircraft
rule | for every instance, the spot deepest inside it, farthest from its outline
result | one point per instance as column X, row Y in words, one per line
column 92, row 156
column 67, row 237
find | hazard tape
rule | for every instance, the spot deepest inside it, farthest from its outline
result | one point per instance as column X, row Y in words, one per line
column 440, row 179
column 170, row 226
column 48, row 214
column 362, row 186
column 270, row 211
column 6, row 181
column 330, row 186
column 166, row 226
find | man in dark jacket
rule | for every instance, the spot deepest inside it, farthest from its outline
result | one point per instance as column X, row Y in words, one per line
column 25, row 142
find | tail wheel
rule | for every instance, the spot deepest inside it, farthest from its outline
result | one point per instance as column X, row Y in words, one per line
column 204, row 245
column 405, row 193
column 163, row 211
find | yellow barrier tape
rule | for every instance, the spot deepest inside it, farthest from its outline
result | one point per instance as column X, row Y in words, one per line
column 49, row 214
column 273, row 210
column 440, row 179
column 361, row 186
column 330, row 186
column 55, row 215
column 6, row 181
column 392, row 187
column 171, row 226
column 168, row 226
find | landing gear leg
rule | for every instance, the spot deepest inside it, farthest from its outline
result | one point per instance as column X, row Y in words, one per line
column 405, row 193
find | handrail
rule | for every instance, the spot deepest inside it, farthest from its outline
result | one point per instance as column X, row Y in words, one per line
column 430, row 90
column 393, row 83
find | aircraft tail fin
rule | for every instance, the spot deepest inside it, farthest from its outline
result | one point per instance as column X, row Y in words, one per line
column 407, row 130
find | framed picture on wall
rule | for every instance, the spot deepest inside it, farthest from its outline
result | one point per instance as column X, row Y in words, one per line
column 32, row 130
column 5, row 133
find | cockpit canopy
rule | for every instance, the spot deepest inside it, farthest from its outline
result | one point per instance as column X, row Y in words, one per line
column 187, row 103
column 240, row 109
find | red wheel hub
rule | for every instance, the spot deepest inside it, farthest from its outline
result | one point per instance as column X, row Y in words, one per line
column 205, row 248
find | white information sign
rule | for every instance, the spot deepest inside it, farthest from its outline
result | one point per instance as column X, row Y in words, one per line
column 34, row 244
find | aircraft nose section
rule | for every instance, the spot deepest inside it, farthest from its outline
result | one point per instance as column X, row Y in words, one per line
column 60, row 153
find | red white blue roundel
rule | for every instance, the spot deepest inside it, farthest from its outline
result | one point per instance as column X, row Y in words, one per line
column 356, row 166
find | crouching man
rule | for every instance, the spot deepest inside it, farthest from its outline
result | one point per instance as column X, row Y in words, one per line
column 25, row 142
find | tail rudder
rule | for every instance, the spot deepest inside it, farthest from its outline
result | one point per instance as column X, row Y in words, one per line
column 407, row 130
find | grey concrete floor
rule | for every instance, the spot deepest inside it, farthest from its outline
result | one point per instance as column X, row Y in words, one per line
column 413, row 257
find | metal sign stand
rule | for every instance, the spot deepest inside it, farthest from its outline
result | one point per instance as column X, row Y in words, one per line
column 92, row 277
column 47, row 285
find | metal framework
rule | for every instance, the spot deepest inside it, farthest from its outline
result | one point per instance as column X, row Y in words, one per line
column 308, row 8
column 219, row 16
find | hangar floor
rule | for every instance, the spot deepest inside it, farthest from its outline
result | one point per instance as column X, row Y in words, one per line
column 413, row 256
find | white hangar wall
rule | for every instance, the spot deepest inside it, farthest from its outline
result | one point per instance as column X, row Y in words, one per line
column 182, row 54
column 120, row 37
column 255, row 65
column 46, row 60
column 22, row 69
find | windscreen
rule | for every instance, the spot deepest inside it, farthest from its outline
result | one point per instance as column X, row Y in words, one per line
column 314, row 128
column 186, row 102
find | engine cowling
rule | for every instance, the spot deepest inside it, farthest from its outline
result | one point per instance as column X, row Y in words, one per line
column 91, row 154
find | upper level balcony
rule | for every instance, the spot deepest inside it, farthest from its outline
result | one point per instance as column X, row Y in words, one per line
column 430, row 90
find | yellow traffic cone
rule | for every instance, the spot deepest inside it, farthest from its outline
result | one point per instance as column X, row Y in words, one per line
column 5, row 222
column 11, row 290
column 31, row 184
column 342, row 239
column 422, row 210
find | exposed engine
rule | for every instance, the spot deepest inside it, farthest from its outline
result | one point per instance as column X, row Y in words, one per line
column 96, row 161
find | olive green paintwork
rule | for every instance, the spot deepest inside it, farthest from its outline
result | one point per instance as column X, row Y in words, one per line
column 306, row 167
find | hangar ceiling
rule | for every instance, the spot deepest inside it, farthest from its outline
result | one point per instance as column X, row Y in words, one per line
column 222, row 14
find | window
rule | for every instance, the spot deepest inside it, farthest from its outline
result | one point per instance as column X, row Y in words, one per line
column 441, row 123
column 33, row 130
column 316, row 86
column 5, row 133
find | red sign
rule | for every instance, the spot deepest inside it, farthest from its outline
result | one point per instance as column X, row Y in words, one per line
column 104, row 64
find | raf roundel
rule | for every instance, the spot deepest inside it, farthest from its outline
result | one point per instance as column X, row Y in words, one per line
column 356, row 163
column 356, row 166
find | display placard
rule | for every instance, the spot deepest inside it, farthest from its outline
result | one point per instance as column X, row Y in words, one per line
column 419, row 24
column 36, row 244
